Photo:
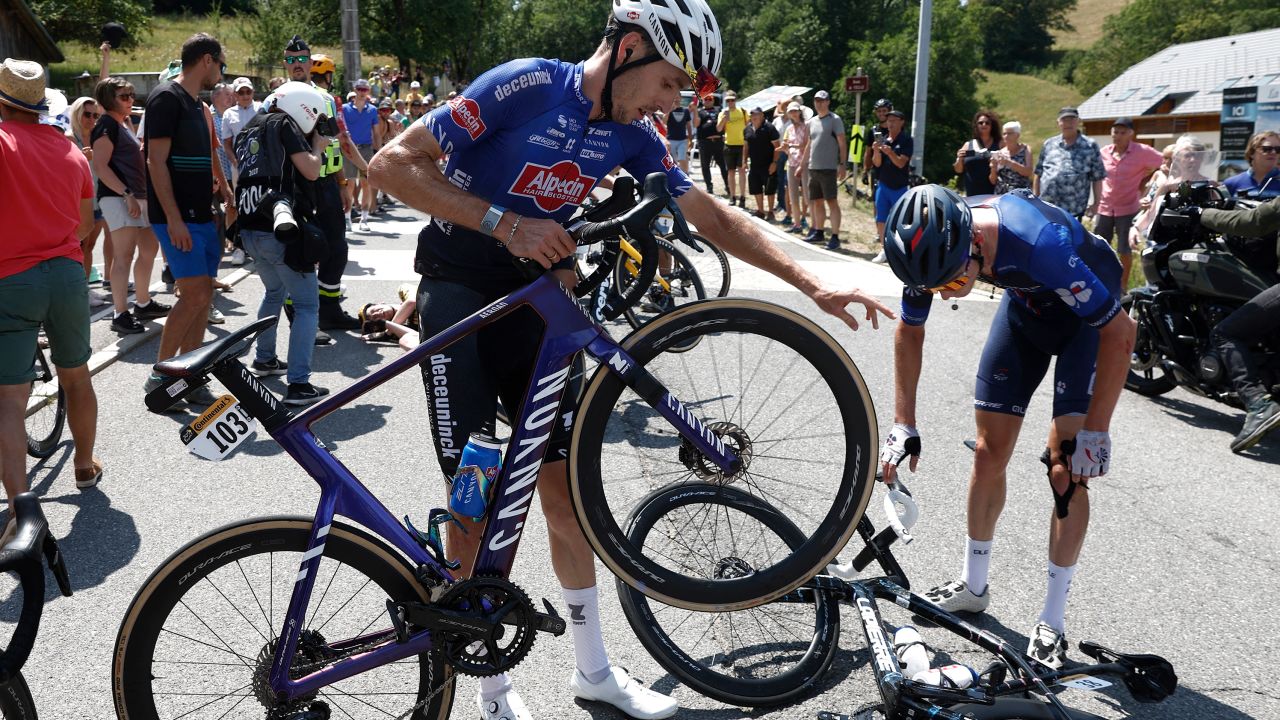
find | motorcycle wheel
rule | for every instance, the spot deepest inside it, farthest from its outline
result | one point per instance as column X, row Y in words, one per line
column 1146, row 376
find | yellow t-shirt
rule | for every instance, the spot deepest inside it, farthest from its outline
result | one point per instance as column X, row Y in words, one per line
column 733, row 128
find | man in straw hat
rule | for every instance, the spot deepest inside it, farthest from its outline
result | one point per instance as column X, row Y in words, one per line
column 47, row 204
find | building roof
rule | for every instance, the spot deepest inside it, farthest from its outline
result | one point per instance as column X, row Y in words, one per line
column 1191, row 76
column 39, row 35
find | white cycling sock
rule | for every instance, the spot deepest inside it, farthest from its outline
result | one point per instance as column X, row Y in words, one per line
column 977, row 561
column 588, row 641
column 492, row 687
column 1055, row 600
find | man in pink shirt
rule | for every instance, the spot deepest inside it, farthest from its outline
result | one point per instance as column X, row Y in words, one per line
column 1129, row 165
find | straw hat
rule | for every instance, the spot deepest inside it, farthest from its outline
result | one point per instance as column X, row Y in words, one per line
column 22, row 85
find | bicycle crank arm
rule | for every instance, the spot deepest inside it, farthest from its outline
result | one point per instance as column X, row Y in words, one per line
column 432, row 617
column 549, row 621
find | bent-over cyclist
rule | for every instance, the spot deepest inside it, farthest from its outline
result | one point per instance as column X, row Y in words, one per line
column 1061, row 300
column 526, row 142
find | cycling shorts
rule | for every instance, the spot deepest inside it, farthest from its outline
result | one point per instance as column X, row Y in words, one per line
column 465, row 381
column 1016, row 358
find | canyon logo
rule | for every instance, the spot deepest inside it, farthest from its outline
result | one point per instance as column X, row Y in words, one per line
column 466, row 115
column 553, row 187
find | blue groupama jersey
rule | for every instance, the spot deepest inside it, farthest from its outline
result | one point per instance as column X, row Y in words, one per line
column 1046, row 260
column 519, row 137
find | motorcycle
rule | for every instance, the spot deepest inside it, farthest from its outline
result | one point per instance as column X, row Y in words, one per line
column 1197, row 278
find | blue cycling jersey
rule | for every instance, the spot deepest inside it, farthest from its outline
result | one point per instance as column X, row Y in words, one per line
column 519, row 137
column 1046, row 260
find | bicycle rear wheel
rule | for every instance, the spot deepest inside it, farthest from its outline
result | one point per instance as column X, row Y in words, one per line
column 15, row 699
column 197, row 640
column 45, row 424
column 712, row 265
column 765, row 655
column 774, row 387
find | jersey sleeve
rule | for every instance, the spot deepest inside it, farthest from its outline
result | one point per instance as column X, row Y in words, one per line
column 649, row 155
column 1054, row 263
column 915, row 305
column 499, row 97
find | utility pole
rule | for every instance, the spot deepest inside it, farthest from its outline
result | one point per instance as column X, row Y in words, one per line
column 922, row 87
column 350, row 44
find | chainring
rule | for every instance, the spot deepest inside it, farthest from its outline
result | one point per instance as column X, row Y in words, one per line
column 514, row 618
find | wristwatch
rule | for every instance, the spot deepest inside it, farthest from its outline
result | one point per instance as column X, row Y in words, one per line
column 492, row 216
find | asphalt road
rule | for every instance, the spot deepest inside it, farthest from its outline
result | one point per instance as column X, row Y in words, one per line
column 1181, row 560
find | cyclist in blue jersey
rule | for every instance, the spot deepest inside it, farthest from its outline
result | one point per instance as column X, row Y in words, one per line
column 526, row 142
column 1062, row 290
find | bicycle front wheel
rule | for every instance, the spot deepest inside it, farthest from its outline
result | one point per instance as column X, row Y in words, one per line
column 765, row 655
column 199, row 637
column 672, row 287
column 45, row 422
column 779, row 391
column 712, row 265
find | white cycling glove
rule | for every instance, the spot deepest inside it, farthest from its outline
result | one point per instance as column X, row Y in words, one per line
column 903, row 440
column 1092, row 454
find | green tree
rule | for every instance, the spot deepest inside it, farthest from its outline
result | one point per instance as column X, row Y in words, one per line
column 81, row 20
column 1018, row 34
column 273, row 23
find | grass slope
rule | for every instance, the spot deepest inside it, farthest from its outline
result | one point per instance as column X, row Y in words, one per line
column 1029, row 100
column 1087, row 21
column 167, row 35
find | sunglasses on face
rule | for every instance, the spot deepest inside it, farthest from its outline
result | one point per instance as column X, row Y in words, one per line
column 295, row 59
column 984, row 122
column 91, row 115
column 1269, row 149
column 244, row 91
column 956, row 283
column 705, row 82
column 125, row 96
column 362, row 90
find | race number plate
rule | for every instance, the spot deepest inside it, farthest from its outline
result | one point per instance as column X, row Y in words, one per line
column 218, row 430
column 1083, row 682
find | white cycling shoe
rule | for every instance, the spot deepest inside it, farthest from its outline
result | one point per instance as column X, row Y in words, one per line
column 507, row 706
column 620, row 691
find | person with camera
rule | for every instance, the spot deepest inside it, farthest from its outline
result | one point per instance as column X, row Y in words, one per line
column 279, row 154
column 891, row 156
column 973, row 159
column 1250, row 323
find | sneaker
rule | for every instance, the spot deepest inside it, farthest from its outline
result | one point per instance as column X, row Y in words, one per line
column 620, row 691
column 237, row 257
column 1263, row 417
column 274, row 366
column 216, row 317
column 323, row 338
column 507, row 706
column 348, row 223
column 364, row 225
column 879, row 259
column 98, row 298
column 166, row 276
column 804, row 223
column 89, row 477
column 834, row 243
column 814, row 236
column 126, row 324
column 304, row 394
column 795, row 229
column 202, row 397
column 786, row 219
column 955, row 596
column 153, row 309
column 1047, row 646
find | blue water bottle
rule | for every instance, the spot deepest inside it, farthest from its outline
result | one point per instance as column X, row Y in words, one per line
column 477, row 470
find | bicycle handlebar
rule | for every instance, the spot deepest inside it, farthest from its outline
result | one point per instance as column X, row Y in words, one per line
column 22, row 557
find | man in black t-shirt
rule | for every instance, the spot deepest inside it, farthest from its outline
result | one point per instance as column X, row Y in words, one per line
column 710, row 142
column 763, row 148
column 179, row 150
column 679, row 120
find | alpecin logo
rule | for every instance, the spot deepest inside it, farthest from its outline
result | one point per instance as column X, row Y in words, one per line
column 667, row 162
column 553, row 187
column 466, row 115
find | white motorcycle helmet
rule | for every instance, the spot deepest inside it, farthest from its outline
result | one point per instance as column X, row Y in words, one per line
column 299, row 101
column 685, row 32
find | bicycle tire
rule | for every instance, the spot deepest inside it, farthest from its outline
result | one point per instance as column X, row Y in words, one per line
column 683, row 285
column 712, row 265
column 16, row 702
column 803, row 636
column 1011, row 708
column 45, row 425
column 604, row 492
column 237, row 549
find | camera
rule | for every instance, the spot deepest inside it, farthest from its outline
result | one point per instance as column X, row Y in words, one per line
column 327, row 126
column 881, row 133
column 282, row 221
column 980, row 154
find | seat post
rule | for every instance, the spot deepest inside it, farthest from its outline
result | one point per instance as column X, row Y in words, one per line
column 254, row 397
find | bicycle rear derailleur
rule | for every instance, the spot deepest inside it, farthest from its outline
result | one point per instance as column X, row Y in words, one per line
column 486, row 624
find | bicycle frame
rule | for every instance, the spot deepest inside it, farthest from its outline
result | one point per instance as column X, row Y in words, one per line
column 568, row 331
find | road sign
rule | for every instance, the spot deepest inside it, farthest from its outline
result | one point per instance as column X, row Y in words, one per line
column 857, row 84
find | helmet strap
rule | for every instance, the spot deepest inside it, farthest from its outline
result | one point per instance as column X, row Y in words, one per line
column 614, row 70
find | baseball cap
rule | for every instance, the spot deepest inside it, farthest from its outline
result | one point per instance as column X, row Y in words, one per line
column 362, row 83
column 793, row 105
column 1068, row 112
column 385, row 104
column 415, row 84
column 884, row 102
column 822, row 95
column 731, row 95
column 1123, row 121
column 242, row 82
column 897, row 114
column 756, row 110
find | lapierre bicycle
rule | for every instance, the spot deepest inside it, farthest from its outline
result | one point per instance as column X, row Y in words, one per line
column 294, row 617
column 770, row 654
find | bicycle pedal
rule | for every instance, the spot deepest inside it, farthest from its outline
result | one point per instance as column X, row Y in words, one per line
column 398, row 621
column 550, row 621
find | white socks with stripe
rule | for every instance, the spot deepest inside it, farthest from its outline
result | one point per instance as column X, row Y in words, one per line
column 977, row 561
column 588, row 641
column 1055, row 599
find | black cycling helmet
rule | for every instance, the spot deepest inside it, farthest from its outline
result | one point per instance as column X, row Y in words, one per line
column 883, row 102
column 927, row 237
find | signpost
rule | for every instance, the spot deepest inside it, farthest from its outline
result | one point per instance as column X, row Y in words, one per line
column 857, row 85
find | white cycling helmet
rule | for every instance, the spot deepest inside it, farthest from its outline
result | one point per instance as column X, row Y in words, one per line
column 685, row 32
column 299, row 101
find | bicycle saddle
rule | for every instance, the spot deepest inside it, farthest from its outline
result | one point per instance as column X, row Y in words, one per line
column 200, row 361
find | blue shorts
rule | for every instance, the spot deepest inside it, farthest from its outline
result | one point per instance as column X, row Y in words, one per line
column 203, row 258
column 1016, row 358
column 679, row 149
column 885, row 198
